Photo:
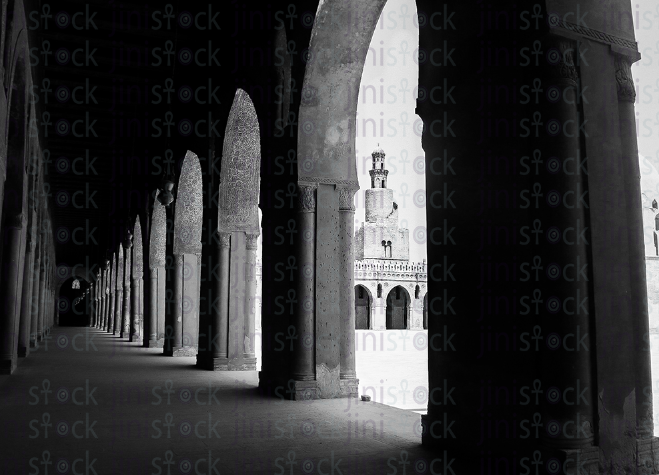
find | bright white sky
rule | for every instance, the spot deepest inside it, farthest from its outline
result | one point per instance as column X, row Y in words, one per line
column 394, row 76
column 646, row 75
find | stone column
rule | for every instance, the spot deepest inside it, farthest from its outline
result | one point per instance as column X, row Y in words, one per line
column 106, row 298
column 119, row 296
column 135, row 316
column 568, row 426
column 12, row 286
column 251, row 245
column 639, row 295
column 97, row 288
column 177, row 308
column 26, row 301
column 125, row 321
column 34, row 299
column 42, row 302
column 219, row 345
column 304, row 360
column 112, row 280
column 153, row 307
column 348, row 375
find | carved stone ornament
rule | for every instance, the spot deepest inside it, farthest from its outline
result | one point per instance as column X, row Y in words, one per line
column 158, row 236
column 113, row 283
column 224, row 239
column 306, row 197
column 241, row 162
column 16, row 221
column 560, row 58
column 189, row 207
column 347, row 198
column 120, row 267
column 624, row 79
column 138, row 253
column 127, row 268
column 252, row 241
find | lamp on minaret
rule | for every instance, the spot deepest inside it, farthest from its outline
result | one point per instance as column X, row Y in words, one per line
column 378, row 173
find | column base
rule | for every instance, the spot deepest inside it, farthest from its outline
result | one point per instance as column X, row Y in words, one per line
column 181, row 351
column 135, row 337
column 349, row 387
column 7, row 366
column 647, row 456
column 153, row 343
column 24, row 352
column 302, row 390
column 213, row 364
column 33, row 344
column 583, row 461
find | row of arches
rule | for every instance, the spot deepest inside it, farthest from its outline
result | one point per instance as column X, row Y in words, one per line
column 400, row 310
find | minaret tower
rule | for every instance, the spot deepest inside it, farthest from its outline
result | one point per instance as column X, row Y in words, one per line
column 380, row 206
column 378, row 173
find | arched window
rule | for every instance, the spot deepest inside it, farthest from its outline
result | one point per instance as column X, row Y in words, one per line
column 417, row 290
column 379, row 290
column 75, row 284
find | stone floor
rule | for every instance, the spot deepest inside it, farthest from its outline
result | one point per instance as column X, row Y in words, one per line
column 87, row 402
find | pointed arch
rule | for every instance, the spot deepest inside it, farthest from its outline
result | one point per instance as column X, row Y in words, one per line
column 189, row 207
column 398, row 308
column 363, row 306
column 241, row 161
column 137, row 313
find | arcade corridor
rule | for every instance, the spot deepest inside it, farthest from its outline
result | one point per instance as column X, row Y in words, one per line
column 148, row 149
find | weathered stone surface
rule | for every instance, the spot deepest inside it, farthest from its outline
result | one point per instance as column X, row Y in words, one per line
column 188, row 213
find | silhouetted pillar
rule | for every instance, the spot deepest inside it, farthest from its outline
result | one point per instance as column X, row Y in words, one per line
column 12, row 286
column 568, row 426
column 347, row 372
column 42, row 302
column 251, row 245
column 26, row 300
column 639, row 296
column 303, row 366
column 34, row 298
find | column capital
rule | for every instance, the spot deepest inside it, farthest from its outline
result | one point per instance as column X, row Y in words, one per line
column 16, row 221
column 560, row 60
column 624, row 79
column 307, row 197
column 223, row 239
column 347, row 198
column 252, row 242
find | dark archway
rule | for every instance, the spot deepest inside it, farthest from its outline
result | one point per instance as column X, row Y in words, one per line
column 425, row 312
column 363, row 305
column 72, row 314
column 398, row 305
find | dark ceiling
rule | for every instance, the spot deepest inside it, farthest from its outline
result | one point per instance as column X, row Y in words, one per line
column 99, row 89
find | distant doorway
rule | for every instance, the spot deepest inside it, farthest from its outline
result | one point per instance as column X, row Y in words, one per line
column 398, row 305
column 362, row 308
